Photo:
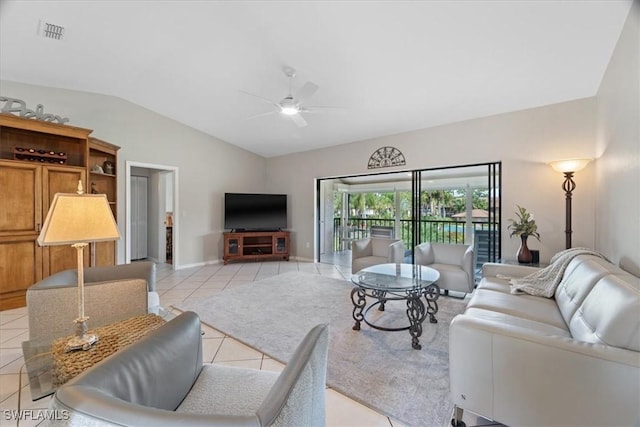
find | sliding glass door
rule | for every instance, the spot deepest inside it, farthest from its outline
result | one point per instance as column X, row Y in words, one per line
column 459, row 205
column 453, row 205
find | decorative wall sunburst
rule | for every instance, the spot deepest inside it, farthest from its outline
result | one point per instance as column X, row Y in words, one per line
column 385, row 157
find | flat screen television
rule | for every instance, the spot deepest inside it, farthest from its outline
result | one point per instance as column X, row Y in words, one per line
column 253, row 212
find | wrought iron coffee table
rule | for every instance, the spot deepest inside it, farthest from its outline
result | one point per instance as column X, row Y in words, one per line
column 397, row 282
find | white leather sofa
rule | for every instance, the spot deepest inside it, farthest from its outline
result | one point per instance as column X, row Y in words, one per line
column 570, row 360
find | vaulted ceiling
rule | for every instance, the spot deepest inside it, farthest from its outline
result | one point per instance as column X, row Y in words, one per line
column 390, row 66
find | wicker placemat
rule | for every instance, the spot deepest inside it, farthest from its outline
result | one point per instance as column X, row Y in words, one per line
column 112, row 338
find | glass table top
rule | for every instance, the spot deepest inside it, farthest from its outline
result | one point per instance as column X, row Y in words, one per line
column 395, row 277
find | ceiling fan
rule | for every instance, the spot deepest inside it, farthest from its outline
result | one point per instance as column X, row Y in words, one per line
column 291, row 106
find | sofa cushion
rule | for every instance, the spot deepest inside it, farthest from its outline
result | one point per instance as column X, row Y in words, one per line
column 495, row 284
column 530, row 307
column 610, row 314
column 520, row 322
column 216, row 392
column 580, row 277
column 492, row 269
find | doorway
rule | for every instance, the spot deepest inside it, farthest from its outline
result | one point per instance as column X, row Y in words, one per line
column 455, row 205
column 151, row 201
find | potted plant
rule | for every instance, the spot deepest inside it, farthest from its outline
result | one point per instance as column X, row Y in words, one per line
column 524, row 226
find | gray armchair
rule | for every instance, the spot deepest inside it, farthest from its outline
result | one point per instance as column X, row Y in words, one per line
column 161, row 381
column 375, row 250
column 112, row 293
column 453, row 262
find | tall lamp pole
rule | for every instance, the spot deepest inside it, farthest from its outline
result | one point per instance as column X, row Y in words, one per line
column 568, row 168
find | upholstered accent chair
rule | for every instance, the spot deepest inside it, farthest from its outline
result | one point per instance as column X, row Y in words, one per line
column 112, row 294
column 453, row 262
column 375, row 250
column 161, row 381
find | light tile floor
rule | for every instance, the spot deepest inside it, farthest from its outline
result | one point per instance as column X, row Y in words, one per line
column 184, row 285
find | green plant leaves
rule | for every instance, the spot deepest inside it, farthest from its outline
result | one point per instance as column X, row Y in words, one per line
column 525, row 225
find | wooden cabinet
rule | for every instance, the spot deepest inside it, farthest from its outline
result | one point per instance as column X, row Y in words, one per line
column 59, row 179
column 37, row 160
column 103, row 160
column 20, row 219
column 26, row 191
column 256, row 245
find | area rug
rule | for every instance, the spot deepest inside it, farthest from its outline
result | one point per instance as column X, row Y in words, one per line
column 376, row 368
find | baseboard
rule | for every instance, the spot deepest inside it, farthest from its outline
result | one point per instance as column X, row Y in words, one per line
column 197, row 264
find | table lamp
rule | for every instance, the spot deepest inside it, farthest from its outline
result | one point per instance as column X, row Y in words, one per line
column 76, row 220
column 568, row 168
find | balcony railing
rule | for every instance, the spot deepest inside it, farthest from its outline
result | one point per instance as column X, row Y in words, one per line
column 442, row 231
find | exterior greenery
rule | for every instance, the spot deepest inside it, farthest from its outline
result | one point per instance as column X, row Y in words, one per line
column 437, row 207
column 437, row 204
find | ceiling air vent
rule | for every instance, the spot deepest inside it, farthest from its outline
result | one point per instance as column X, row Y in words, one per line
column 50, row 31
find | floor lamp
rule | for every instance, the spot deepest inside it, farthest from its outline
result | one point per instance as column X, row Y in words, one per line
column 76, row 220
column 568, row 168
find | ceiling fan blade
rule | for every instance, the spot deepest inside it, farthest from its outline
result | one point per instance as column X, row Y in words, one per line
column 268, row 101
column 268, row 113
column 322, row 109
column 298, row 120
column 307, row 90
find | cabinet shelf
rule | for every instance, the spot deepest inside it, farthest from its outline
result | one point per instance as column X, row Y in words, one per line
column 39, row 155
column 102, row 174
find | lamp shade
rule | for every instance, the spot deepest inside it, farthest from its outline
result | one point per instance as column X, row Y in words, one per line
column 569, row 165
column 74, row 218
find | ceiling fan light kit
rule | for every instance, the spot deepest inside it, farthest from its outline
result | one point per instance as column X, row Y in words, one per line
column 289, row 107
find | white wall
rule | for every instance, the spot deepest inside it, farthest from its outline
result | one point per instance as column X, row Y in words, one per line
column 606, row 203
column 208, row 166
column 524, row 141
column 618, row 148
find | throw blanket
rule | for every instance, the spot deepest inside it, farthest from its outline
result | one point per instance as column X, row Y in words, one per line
column 543, row 283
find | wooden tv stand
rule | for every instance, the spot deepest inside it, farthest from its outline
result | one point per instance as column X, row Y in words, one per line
column 256, row 245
